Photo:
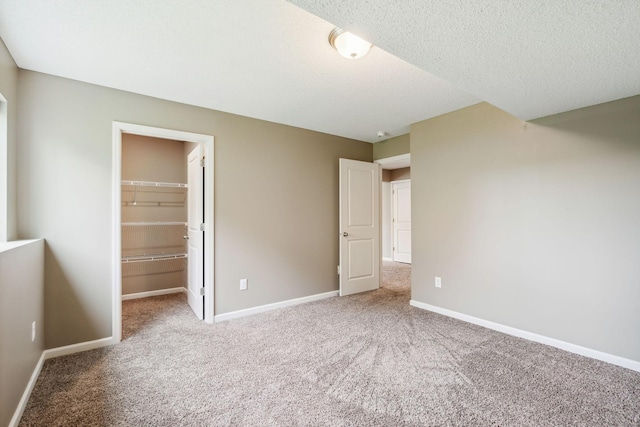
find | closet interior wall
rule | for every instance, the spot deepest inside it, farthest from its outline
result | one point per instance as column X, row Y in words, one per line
column 154, row 214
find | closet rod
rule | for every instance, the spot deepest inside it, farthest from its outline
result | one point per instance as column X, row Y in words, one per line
column 155, row 184
column 138, row 224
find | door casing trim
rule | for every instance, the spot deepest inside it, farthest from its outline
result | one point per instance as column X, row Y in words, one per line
column 207, row 141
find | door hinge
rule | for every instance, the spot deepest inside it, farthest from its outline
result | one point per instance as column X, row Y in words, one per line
column 202, row 162
column 202, row 226
column 338, row 270
column 201, row 292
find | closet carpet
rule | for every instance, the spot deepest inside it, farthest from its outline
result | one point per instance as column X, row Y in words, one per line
column 363, row 360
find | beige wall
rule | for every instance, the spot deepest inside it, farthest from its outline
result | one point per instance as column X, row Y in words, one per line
column 391, row 147
column 146, row 158
column 400, row 174
column 21, row 303
column 153, row 159
column 276, row 199
column 8, row 192
column 159, row 160
column 532, row 225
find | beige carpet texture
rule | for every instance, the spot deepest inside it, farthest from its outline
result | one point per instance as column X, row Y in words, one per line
column 363, row 360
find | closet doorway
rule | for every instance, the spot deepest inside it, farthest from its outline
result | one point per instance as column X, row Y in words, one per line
column 153, row 214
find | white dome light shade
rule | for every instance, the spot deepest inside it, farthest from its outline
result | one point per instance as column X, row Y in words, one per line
column 348, row 45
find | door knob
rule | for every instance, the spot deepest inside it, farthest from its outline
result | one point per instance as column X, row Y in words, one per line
column 345, row 234
column 185, row 237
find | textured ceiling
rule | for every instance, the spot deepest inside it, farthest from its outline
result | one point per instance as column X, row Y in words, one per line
column 270, row 59
column 266, row 59
column 531, row 58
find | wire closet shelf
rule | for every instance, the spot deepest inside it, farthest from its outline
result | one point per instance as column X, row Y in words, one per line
column 153, row 193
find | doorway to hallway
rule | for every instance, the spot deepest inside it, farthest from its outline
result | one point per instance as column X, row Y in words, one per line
column 396, row 276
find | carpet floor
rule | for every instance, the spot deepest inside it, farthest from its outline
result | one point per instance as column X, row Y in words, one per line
column 364, row 360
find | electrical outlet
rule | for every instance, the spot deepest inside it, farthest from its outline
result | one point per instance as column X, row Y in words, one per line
column 33, row 331
column 438, row 282
column 243, row 284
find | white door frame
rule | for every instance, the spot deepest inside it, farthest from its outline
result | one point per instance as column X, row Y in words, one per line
column 116, row 173
column 4, row 165
column 395, row 162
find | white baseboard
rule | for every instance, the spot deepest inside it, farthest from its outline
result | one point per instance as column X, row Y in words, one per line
column 563, row 345
column 275, row 305
column 77, row 348
column 153, row 293
column 15, row 420
column 387, row 259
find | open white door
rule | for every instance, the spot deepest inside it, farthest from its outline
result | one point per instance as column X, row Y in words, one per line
column 195, row 235
column 401, row 191
column 359, row 226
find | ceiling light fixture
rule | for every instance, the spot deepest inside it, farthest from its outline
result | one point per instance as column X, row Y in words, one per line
column 348, row 45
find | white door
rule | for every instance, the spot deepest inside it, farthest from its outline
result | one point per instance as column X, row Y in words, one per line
column 401, row 192
column 359, row 226
column 195, row 251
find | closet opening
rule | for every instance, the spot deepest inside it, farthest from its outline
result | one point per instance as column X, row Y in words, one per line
column 163, row 218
